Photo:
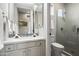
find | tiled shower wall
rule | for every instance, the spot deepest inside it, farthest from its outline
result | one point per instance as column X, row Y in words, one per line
column 67, row 28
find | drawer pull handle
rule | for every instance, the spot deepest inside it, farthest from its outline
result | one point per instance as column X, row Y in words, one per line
column 9, row 48
column 40, row 43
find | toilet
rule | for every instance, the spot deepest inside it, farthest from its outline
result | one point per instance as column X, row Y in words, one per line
column 56, row 49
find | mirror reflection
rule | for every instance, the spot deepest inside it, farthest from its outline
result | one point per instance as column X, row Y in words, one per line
column 24, row 21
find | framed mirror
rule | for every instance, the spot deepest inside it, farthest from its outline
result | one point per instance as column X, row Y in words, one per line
column 25, row 18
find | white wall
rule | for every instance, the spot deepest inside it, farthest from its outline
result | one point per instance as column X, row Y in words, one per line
column 4, row 6
column 47, row 25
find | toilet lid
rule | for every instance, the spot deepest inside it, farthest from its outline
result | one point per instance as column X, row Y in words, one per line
column 57, row 45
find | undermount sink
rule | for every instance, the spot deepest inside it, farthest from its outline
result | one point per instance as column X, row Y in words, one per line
column 23, row 39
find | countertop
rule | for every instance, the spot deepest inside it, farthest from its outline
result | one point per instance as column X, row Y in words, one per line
column 23, row 39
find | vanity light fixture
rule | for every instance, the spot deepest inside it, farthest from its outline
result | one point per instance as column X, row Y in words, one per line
column 35, row 7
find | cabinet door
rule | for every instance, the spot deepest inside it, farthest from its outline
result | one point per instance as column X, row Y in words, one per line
column 38, row 50
column 27, row 52
column 35, row 51
column 41, row 44
column 43, row 48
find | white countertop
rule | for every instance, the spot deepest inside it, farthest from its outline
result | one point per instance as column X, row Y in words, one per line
column 23, row 39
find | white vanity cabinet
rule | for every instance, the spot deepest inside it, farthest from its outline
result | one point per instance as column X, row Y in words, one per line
column 31, row 48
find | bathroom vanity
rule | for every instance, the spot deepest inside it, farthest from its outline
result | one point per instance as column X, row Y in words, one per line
column 26, row 21
column 25, row 46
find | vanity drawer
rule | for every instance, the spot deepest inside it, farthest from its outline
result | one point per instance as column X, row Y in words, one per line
column 38, row 43
column 25, row 45
column 9, row 47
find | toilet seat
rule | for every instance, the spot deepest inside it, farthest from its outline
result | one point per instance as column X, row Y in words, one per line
column 57, row 45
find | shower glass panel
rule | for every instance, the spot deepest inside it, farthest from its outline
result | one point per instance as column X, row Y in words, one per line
column 67, row 27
